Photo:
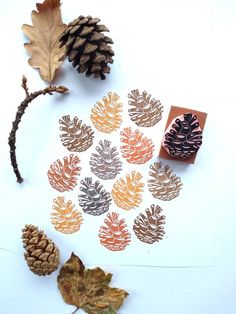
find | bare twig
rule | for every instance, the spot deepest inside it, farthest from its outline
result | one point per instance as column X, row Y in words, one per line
column 21, row 110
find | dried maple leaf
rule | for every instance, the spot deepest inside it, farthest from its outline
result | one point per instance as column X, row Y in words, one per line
column 88, row 289
column 46, row 55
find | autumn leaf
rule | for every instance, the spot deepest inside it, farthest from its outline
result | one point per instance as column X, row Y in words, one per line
column 88, row 289
column 46, row 55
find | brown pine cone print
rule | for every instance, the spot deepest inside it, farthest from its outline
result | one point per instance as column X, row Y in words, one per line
column 144, row 112
column 149, row 228
column 136, row 148
column 114, row 235
column 42, row 255
column 164, row 184
column 63, row 175
column 126, row 192
column 183, row 137
column 76, row 137
column 65, row 217
column 106, row 115
column 105, row 164
column 94, row 200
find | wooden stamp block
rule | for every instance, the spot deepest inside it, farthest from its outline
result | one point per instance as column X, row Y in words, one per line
column 174, row 113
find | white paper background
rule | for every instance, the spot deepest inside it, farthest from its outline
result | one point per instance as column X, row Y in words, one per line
column 183, row 52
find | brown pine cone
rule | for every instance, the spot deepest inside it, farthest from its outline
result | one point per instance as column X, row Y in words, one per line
column 87, row 47
column 42, row 255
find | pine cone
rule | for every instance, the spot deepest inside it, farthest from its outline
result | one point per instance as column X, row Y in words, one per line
column 127, row 193
column 106, row 163
column 77, row 137
column 42, row 255
column 183, row 137
column 114, row 236
column 87, row 47
column 137, row 149
column 145, row 111
column 95, row 200
column 65, row 217
column 164, row 185
column 149, row 228
column 63, row 176
column 106, row 116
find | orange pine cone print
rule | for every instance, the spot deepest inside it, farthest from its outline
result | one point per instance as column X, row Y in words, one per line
column 65, row 217
column 63, row 175
column 126, row 192
column 106, row 116
column 136, row 148
column 114, row 235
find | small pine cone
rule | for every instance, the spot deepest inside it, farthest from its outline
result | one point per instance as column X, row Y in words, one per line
column 144, row 111
column 127, row 193
column 114, row 236
column 106, row 116
column 42, row 255
column 183, row 137
column 65, row 217
column 137, row 149
column 164, row 184
column 63, row 176
column 95, row 200
column 105, row 164
column 87, row 47
column 149, row 228
column 76, row 137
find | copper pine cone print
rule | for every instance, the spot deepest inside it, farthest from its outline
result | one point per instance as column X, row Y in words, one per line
column 149, row 228
column 136, row 148
column 127, row 193
column 106, row 115
column 64, row 217
column 94, row 200
column 145, row 111
column 105, row 164
column 114, row 234
column 63, row 175
column 183, row 137
column 76, row 136
column 163, row 184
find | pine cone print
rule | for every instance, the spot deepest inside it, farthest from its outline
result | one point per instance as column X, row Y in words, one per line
column 87, row 47
column 137, row 149
column 106, row 116
column 183, row 137
column 94, row 200
column 65, row 217
column 42, row 255
column 76, row 137
column 149, row 228
column 127, row 193
column 105, row 164
column 114, row 235
column 144, row 112
column 63, row 176
column 164, row 184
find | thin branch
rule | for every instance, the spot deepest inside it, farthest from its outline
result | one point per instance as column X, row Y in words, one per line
column 21, row 110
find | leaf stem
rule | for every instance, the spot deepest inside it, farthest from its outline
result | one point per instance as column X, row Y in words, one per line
column 20, row 111
column 75, row 310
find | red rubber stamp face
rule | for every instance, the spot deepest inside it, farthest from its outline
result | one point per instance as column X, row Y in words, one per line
column 183, row 137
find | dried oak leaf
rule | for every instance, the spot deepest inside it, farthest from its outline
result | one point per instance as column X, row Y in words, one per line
column 46, row 54
column 88, row 289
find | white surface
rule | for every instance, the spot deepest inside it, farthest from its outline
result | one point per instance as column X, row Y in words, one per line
column 183, row 52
